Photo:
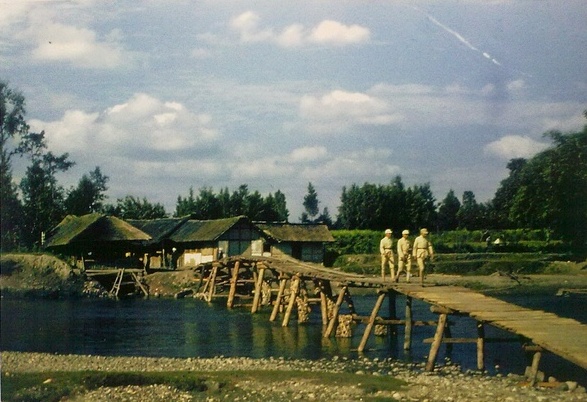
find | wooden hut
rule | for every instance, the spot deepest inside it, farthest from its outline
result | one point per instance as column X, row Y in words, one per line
column 200, row 241
column 97, row 240
column 159, row 251
column 302, row 241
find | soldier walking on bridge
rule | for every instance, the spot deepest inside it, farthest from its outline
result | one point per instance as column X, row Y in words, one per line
column 386, row 251
column 422, row 252
column 404, row 256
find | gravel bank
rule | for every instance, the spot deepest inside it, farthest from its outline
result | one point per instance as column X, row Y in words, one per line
column 446, row 384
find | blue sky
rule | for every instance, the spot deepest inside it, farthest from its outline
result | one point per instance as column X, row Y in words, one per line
column 168, row 95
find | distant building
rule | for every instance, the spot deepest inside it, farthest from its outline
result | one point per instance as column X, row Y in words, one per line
column 302, row 241
column 97, row 240
column 185, row 242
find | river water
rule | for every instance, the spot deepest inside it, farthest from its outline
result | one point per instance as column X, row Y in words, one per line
column 192, row 328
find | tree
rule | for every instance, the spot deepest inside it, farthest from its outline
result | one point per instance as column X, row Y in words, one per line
column 553, row 189
column 43, row 197
column 447, row 212
column 89, row 195
column 131, row 207
column 505, row 194
column 310, row 204
column 12, row 127
column 469, row 212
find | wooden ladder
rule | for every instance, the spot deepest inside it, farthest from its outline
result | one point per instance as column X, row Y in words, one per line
column 117, row 282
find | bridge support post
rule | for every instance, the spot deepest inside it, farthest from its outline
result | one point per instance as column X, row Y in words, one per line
column 436, row 342
column 292, row 300
column 534, row 367
column 258, row 286
column 480, row 345
column 408, row 329
column 325, row 295
column 371, row 322
column 233, row 281
column 334, row 318
column 212, row 284
column 277, row 305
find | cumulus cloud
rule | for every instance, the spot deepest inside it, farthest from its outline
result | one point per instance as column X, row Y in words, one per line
column 345, row 107
column 514, row 146
column 143, row 127
column 79, row 46
column 248, row 27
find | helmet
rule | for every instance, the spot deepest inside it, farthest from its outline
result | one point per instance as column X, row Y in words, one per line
column 387, row 231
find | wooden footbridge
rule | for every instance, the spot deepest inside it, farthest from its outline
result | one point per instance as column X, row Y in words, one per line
column 285, row 284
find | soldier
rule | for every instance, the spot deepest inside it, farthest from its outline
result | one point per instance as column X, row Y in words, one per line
column 404, row 257
column 386, row 251
column 422, row 252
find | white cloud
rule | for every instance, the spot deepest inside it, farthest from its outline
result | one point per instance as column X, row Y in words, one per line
column 58, row 42
column 346, row 108
column 308, row 153
column 333, row 32
column 327, row 32
column 514, row 146
column 138, row 129
column 516, row 85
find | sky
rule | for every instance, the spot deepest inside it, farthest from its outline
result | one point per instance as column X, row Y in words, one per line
column 168, row 95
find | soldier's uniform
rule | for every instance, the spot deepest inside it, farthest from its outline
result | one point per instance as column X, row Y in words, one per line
column 422, row 252
column 404, row 257
column 386, row 251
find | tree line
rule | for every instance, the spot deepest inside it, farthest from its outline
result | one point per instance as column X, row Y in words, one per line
column 547, row 191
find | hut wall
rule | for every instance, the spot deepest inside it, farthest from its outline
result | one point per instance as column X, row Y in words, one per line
column 313, row 252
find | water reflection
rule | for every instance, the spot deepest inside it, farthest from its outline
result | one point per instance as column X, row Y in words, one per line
column 190, row 328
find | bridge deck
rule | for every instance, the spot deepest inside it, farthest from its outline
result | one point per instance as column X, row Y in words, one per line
column 563, row 336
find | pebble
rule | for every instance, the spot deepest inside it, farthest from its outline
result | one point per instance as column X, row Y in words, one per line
column 447, row 383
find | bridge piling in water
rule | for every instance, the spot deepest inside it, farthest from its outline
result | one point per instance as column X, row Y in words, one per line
column 241, row 279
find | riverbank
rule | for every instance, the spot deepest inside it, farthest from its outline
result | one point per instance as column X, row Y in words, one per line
column 273, row 379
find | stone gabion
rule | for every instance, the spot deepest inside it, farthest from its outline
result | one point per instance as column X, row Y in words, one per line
column 344, row 328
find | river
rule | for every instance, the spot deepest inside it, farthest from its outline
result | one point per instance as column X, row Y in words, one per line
column 192, row 328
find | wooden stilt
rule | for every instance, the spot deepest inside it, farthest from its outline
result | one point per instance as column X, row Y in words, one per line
column 436, row 343
column 292, row 300
column 212, row 284
column 323, row 303
column 277, row 305
column 233, row 281
column 334, row 318
column 371, row 322
column 480, row 345
column 534, row 367
column 139, row 284
column 408, row 328
column 258, row 286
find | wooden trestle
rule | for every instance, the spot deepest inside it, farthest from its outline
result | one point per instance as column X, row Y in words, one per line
column 286, row 284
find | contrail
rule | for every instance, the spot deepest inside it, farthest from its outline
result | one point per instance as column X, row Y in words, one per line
column 458, row 36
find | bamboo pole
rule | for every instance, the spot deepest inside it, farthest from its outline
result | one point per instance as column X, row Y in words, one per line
column 334, row 318
column 408, row 330
column 138, row 282
column 233, row 281
column 436, row 343
column 292, row 300
column 277, row 305
column 258, row 286
column 480, row 345
column 371, row 322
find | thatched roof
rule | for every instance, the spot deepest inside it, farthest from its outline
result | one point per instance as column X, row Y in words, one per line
column 205, row 230
column 93, row 228
column 296, row 232
column 158, row 229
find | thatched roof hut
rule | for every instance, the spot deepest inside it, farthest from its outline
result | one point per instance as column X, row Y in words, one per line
column 299, row 240
column 206, row 230
column 296, row 232
column 92, row 229
column 158, row 229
